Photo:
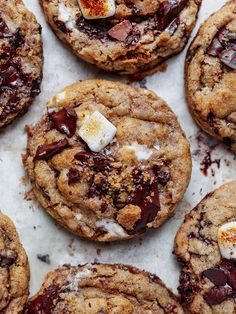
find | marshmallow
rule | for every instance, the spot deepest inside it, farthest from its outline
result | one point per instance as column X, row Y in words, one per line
column 97, row 131
column 97, row 9
column 227, row 240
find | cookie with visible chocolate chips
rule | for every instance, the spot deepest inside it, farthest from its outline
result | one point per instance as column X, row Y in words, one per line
column 210, row 75
column 206, row 252
column 14, row 269
column 108, row 161
column 103, row 289
column 21, row 59
column 135, row 39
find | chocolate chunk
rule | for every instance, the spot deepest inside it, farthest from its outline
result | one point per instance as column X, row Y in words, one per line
column 216, row 276
column 217, row 295
column 49, row 150
column 232, row 279
column 163, row 177
column 44, row 258
column 99, row 161
column 228, row 57
column 6, row 261
column 121, row 31
column 146, row 196
column 64, row 121
column 168, row 12
column 44, row 303
column 73, row 176
column 223, row 46
column 8, row 76
column 4, row 31
column 215, row 48
column 187, row 287
column 95, row 29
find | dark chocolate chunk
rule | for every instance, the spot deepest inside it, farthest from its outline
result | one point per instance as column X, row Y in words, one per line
column 187, row 287
column 49, row 150
column 121, row 31
column 215, row 48
column 8, row 76
column 44, row 258
column 44, row 303
column 73, row 176
column 217, row 295
column 64, row 121
column 223, row 46
column 146, row 196
column 216, row 276
column 228, row 57
column 100, row 162
column 6, row 261
column 168, row 12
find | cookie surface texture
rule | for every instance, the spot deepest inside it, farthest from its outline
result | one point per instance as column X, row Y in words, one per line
column 210, row 75
column 207, row 280
column 14, row 269
column 97, row 288
column 137, row 38
column 129, row 186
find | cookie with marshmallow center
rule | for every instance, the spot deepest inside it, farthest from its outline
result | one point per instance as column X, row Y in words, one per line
column 108, row 161
column 206, row 247
column 103, row 289
column 126, row 37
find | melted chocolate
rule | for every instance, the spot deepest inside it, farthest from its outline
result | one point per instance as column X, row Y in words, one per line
column 49, row 150
column 208, row 162
column 223, row 46
column 146, row 196
column 94, row 29
column 100, row 162
column 44, row 303
column 168, row 14
column 224, row 278
column 64, row 121
column 187, row 288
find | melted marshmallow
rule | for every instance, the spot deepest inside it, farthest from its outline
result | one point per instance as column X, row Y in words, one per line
column 112, row 227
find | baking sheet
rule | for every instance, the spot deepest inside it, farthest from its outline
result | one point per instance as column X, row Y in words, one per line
column 40, row 234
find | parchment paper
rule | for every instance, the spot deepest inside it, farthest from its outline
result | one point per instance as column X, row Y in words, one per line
column 40, row 234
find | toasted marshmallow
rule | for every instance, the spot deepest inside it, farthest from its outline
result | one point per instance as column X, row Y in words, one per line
column 227, row 240
column 97, row 9
column 97, row 131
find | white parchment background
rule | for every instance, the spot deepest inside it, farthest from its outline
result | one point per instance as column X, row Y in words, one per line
column 39, row 233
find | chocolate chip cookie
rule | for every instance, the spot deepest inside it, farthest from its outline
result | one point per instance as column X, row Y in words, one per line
column 205, row 245
column 14, row 269
column 21, row 59
column 103, row 289
column 210, row 75
column 108, row 161
column 133, row 39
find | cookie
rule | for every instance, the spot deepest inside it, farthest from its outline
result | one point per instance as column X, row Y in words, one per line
column 205, row 245
column 210, row 75
column 137, row 38
column 108, row 161
column 14, row 269
column 21, row 59
column 101, row 288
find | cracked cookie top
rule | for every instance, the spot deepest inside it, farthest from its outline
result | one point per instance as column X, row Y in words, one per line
column 14, row 269
column 21, row 59
column 210, row 75
column 103, row 289
column 132, row 184
column 134, row 40
column 208, row 276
